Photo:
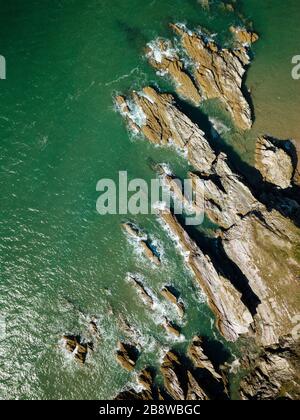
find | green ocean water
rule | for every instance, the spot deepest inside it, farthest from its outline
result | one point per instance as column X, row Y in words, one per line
column 60, row 262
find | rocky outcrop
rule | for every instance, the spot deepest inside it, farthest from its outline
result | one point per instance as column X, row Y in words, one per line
column 233, row 318
column 274, row 163
column 168, row 293
column 181, row 379
column 217, row 73
column 180, row 382
column 141, row 289
column 274, row 374
column 200, row 360
column 143, row 242
column 226, row 198
column 156, row 117
column 265, row 247
column 243, row 36
column 75, row 345
column 126, row 356
column 171, row 328
column 164, row 58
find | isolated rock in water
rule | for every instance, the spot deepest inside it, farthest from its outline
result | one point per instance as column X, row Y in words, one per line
column 274, row 374
column 169, row 295
column 265, row 247
column 73, row 344
column 243, row 36
column 233, row 318
column 126, row 356
column 200, row 360
column 218, row 73
column 171, row 328
column 275, row 165
column 136, row 234
column 141, row 289
column 227, row 199
column 156, row 117
column 163, row 57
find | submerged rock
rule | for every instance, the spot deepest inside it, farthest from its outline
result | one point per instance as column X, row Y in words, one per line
column 274, row 164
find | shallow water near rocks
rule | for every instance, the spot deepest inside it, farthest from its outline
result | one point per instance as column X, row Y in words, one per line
column 60, row 262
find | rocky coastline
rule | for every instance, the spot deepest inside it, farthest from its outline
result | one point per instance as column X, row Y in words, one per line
column 260, row 300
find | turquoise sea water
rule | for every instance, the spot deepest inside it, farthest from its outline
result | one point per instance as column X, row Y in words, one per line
column 60, row 262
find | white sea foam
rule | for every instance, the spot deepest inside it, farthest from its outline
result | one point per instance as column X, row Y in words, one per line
column 218, row 126
column 157, row 53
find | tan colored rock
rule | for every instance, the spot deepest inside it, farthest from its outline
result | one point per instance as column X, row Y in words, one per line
column 145, row 379
column 125, row 356
column 136, row 234
column 141, row 289
column 169, row 296
column 274, row 164
column 163, row 57
column 171, row 328
column 265, row 247
column 79, row 349
column 200, row 360
column 156, row 117
column 226, row 198
column 178, row 381
column 233, row 318
column 274, row 374
column 218, row 73
column 243, row 36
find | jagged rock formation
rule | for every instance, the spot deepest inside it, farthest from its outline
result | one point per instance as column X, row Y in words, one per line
column 217, row 73
column 243, row 36
column 265, row 247
column 179, row 381
column 145, row 246
column 75, row 345
column 233, row 318
column 171, row 328
column 227, row 199
column 259, row 293
column 156, row 117
column 274, row 374
column 163, row 57
column 141, row 289
column 200, row 360
column 170, row 296
column 126, row 356
column 274, row 164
